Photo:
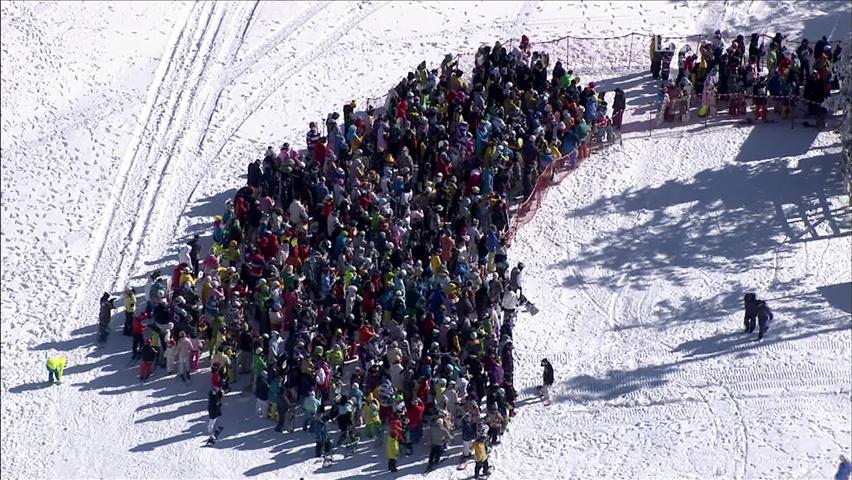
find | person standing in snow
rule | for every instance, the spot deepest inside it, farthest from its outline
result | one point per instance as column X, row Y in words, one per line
column 438, row 437
column 183, row 352
column 149, row 356
column 107, row 306
column 619, row 105
column 194, row 253
column 129, row 300
column 750, row 307
column 764, row 316
column 547, row 380
column 516, row 281
column 214, row 411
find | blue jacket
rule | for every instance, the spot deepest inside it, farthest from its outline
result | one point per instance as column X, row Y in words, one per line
column 591, row 109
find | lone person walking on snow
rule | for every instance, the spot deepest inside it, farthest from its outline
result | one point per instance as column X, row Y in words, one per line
column 55, row 366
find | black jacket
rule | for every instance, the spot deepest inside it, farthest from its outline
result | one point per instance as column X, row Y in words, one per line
column 548, row 374
column 214, row 404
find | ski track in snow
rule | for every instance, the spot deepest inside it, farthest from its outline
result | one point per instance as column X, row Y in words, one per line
column 639, row 390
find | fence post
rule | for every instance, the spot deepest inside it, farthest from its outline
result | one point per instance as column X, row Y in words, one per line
column 630, row 52
column 567, row 50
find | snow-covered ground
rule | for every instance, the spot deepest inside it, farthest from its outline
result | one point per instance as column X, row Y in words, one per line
column 126, row 126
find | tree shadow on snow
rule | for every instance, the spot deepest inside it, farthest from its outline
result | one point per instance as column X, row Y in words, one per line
column 734, row 216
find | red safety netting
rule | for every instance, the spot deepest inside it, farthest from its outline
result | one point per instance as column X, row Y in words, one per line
column 552, row 175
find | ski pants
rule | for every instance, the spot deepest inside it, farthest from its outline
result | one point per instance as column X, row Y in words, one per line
column 749, row 323
column 54, row 373
column 480, row 466
column 262, row 408
column 138, row 341
column 435, row 454
column 128, row 323
column 466, row 448
column 183, row 366
column 763, row 325
column 146, row 369
column 211, row 426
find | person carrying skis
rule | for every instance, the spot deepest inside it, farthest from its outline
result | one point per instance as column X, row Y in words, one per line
column 214, row 411
column 55, row 366
column 764, row 316
column 547, row 380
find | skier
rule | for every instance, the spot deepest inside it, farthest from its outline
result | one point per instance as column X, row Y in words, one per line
column 750, row 307
column 214, row 410
column 107, row 305
column 764, row 316
column 547, row 381
column 55, row 366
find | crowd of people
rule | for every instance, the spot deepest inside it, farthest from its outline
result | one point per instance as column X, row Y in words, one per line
column 726, row 76
column 363, row 282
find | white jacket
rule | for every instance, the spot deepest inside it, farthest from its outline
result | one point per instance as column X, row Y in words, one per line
column 510, row 300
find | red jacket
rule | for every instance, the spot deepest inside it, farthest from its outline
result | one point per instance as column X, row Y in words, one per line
column 138, row 324
column 415, row 416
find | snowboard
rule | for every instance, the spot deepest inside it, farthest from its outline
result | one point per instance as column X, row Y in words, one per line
column 463, row 464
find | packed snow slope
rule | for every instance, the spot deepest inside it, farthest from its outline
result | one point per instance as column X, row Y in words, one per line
column 125, row 127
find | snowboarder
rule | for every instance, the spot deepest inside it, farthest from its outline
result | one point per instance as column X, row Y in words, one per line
column 214, row 410
column 764, row 316
column 750, row 306
column 547, row 381
column 55, row 366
